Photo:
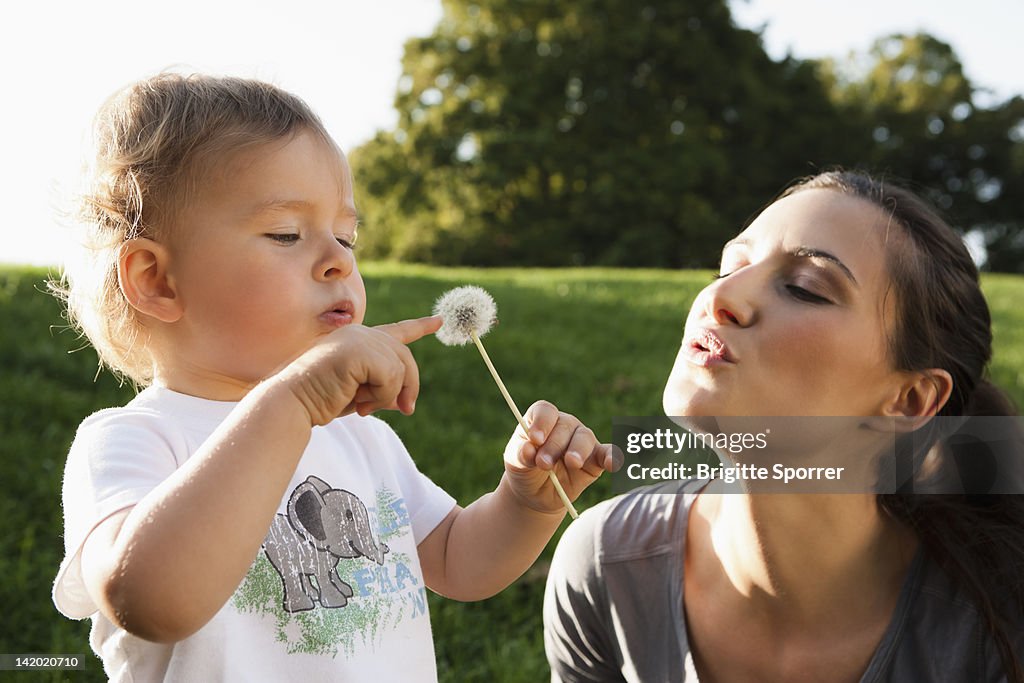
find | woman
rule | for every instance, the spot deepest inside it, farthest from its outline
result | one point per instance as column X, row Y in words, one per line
column 846, row 296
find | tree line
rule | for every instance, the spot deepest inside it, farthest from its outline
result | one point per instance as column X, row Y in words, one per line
column 534, row 132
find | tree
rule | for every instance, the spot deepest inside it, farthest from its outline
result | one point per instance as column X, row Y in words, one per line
column 920, row 120
column 608, row 132
column 541, row 133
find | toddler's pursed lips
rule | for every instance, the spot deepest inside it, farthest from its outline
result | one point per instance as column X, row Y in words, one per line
column 343, row 306
column 339, row 314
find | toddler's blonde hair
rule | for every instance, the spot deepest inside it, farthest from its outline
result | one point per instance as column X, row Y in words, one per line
column 154, row 142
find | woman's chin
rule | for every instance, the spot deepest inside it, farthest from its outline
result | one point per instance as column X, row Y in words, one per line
column 676, row 404
column 685, row 397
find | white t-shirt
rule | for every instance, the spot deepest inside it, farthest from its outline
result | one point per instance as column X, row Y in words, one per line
column 335, row 593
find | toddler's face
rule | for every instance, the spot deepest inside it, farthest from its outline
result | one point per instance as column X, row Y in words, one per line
column 262, row 260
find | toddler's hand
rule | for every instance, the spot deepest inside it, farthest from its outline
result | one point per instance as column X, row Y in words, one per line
column 359, row 369
column 558, row 441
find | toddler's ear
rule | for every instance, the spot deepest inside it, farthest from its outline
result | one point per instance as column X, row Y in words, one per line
column 142, row 276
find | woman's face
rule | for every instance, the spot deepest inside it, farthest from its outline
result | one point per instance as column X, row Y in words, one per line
column 796, row 324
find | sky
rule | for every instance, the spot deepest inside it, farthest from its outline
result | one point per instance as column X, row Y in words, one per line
column 63, row 59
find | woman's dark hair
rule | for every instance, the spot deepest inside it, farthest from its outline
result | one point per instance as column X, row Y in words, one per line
column 942, row 321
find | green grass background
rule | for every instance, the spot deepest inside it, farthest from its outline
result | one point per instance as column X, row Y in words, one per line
column 596, row 342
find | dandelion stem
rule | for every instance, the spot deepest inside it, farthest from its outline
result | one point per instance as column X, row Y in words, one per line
column 522, row 423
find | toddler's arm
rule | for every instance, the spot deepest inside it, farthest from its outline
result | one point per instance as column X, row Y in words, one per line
column 164, row 567
column 478, row 551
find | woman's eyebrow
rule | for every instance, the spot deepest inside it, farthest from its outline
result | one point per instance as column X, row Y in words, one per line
column 802, row 252
column 811, row 252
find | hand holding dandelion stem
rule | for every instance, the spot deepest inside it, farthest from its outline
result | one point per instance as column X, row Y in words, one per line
column 468, row 313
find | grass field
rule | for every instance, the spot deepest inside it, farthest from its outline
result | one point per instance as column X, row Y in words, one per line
column 598, row 343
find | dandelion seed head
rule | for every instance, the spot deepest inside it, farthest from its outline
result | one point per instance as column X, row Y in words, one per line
column 466, row 310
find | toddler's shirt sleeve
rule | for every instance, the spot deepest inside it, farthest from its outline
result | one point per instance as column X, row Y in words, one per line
column 118, row 456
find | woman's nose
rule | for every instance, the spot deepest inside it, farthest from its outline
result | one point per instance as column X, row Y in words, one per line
column 732, row 300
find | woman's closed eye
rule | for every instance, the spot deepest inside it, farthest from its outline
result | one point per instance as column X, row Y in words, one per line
column 798, row 292
column 726, row 272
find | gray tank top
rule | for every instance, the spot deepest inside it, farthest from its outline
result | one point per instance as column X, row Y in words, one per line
column 613, row 610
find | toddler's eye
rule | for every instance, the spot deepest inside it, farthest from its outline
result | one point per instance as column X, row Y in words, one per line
column 283, row 238
column 347, row 242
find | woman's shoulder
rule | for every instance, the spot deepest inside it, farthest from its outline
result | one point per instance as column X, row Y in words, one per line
column 615, row 581
column 944, row 624
column 638, row 524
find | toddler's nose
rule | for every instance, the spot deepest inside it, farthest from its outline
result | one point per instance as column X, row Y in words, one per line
column 337, row 261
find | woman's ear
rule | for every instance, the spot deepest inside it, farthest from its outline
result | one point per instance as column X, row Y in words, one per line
column 142, row 276
column 920, row 397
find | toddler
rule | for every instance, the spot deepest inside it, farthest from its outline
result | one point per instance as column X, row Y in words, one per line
column 245, row 517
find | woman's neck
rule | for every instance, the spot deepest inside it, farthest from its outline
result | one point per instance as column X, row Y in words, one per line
column 800, row 560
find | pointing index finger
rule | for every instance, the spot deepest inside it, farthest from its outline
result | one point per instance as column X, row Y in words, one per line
column 408, row 331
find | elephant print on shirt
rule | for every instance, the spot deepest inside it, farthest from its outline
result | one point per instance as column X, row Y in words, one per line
column 323, row 525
